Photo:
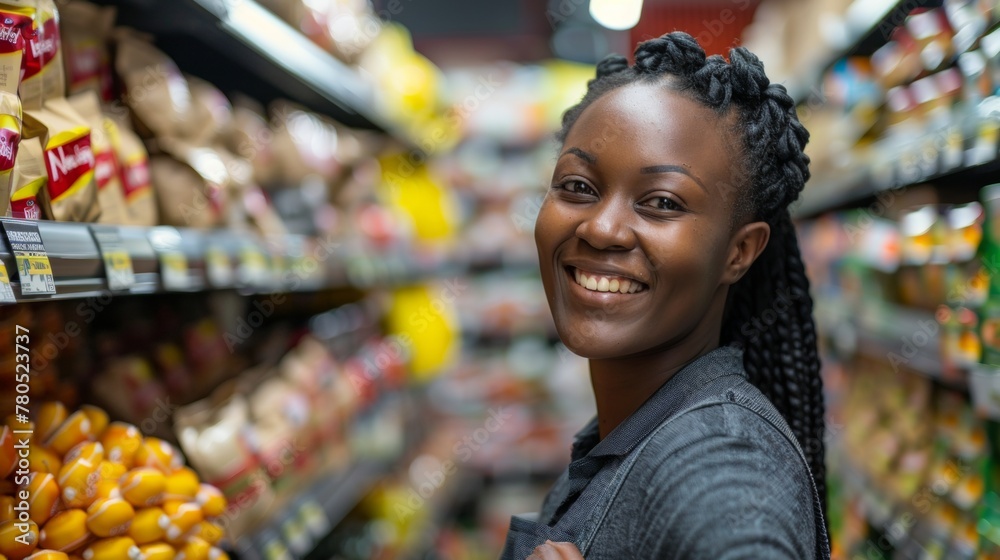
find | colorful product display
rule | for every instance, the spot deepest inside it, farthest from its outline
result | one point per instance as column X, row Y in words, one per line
column 99, row 489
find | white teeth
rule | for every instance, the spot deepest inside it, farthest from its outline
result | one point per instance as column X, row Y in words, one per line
column 605, row 284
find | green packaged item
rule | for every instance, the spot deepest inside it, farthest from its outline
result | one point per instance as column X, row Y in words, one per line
column 989, row 254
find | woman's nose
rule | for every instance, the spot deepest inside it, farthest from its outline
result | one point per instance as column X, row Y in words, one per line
column 607, row 225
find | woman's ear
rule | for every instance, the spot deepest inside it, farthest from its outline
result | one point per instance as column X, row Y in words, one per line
column 746, row 244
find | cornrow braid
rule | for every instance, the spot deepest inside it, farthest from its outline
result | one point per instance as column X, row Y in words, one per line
column 782, row 359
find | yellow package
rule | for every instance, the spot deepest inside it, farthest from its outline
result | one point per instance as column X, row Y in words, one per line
column 10, row 136
column 12, row 41
column 110, row 193
column 133, row 166
column 29, row 181
column 71, row 192
column 42, row 68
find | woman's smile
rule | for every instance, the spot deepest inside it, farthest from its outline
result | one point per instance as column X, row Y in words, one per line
column 599, row 282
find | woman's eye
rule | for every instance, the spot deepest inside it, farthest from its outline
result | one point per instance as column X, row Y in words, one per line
column 577, row 187
column 666, row 203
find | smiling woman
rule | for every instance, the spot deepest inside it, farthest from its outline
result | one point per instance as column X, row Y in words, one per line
column 665, row 233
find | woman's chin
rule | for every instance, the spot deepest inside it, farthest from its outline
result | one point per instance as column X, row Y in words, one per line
column 589, row 346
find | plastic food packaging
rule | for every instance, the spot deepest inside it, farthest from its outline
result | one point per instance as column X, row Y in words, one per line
column 155, row 89
column 110, row 193
column 71, row 191
column 190, row 184
column 85, row 29
column 42, row 76
column 211, row 116
column 10, row 137
column 110, row 517
column 28, row 181
column 133, row 165
column 250, row 138
column 66, row 531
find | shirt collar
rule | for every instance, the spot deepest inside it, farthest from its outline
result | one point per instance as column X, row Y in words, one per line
column 664, row 403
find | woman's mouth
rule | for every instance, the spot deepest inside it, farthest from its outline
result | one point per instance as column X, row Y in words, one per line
column 597, row 282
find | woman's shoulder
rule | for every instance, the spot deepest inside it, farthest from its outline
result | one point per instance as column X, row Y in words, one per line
column 723, row 449
column 741, row 422
column 722, row 477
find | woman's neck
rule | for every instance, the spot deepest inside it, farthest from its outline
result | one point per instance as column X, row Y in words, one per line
column 622, row 385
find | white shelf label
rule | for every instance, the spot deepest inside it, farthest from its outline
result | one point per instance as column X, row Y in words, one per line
column 117, row 261
column 33, row 267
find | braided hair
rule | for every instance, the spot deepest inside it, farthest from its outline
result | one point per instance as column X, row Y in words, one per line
column 780, row 356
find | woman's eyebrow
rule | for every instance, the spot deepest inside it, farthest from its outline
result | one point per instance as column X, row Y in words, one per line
column 587, row 157
column 673, row 169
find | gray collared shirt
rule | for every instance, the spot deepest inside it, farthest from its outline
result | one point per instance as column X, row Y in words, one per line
column 723, row 482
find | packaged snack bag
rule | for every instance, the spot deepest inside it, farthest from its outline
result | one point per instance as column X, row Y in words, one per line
column 155, row 89
column 28, row 181
column 110, row 194
column 11, row 57
column 41, row 66
column 10, row 136
column 69, row 161
column 304, row 144
column 84, row 29
column 211, row 116
column 250, row 138
column 190, row 184
column 133, row 166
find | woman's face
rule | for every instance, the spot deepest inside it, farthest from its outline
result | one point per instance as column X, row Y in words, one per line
column 634, row 236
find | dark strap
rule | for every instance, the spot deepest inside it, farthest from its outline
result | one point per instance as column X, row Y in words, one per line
column 585, row 537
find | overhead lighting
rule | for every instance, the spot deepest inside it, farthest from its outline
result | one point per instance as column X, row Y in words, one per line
column 616, row 14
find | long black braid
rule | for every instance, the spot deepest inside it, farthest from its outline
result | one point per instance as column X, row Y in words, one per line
column 769, row 311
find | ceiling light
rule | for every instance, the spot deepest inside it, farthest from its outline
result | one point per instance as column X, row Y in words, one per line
column 616, row 14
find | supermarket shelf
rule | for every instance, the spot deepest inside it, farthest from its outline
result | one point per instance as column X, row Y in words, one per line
column 222, row 259
column 923, row 162
column 906, row 338
column 879, row 511
column 868, row 25
column 240, row 46
column 308, row 519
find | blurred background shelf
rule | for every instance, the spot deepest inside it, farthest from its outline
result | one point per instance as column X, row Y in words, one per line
column 866, row 26
column 242, row 47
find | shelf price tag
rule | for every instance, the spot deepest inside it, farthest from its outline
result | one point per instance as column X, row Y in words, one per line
column 166, row 241
column 314, row 518
column 218, row 267
column 174, row 271
column 984, row 147
column 253, row 266
column 6, row 292
column 117, row 261
column 33, row 267
column 276, row 550
column 953, row 149
column 297, row 535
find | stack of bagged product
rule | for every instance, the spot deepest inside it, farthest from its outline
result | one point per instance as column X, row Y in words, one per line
column 95, row 489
